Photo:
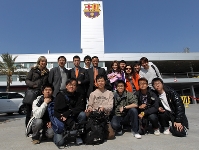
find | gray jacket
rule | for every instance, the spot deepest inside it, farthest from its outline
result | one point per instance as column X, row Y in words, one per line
column 55, row 78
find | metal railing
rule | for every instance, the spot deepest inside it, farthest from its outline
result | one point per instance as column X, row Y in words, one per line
column 180, row 75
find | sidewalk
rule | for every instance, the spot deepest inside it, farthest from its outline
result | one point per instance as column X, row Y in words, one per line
column 12, row 138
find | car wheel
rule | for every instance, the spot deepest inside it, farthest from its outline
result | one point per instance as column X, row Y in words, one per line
column 22, row 110
column 10, row 113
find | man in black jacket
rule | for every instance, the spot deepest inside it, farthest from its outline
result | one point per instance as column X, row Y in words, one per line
column 92, row 73
column 69, row 108
column 148, row 104
column 81, row 75
column 171, row 108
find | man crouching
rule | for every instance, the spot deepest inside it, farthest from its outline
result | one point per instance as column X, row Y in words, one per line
column 125, row 110
column 40, row 113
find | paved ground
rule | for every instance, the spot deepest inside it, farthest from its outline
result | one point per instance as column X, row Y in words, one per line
column 12, row 137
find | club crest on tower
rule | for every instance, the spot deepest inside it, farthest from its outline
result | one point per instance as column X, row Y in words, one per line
column 92, row 10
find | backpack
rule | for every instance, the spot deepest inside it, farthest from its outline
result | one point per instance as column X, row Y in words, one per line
column 57, row 125
column 155, row 71
column 96, row 128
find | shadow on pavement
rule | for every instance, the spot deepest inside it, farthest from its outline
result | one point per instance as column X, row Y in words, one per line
column 10, row 117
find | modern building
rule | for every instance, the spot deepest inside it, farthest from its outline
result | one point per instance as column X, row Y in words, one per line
column 180, row 70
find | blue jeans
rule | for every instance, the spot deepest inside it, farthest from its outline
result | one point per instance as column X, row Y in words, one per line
column 131, row 116
column 59, row 138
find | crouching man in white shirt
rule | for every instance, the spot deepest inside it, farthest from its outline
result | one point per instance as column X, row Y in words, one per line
column 40, row 112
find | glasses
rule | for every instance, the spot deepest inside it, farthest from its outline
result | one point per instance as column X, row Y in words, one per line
column 73, row 85
column 128, row 68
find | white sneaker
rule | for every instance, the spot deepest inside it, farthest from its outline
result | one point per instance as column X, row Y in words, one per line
column 30, row 135
column 157, row 131
column 166, row 131
column 137, row 135
column 79, row 141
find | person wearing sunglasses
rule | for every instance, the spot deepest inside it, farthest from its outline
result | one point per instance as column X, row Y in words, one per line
column 131, row 79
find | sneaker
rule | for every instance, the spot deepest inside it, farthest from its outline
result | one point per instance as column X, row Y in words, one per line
column 137, row 135
column 79, row 141
column 157, row 131
column 186, row 130
column 30, row 135
column 120, row 132
column 35, row 141
column 166, row 130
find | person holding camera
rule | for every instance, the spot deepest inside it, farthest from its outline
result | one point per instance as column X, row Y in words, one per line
column 148, row 104
column 101, row 99
column 125, row 110
column 69, row 108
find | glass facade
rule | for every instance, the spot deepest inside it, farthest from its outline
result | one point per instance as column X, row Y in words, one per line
column 25, row 67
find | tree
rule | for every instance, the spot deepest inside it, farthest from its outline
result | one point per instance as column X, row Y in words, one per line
column 7, row 67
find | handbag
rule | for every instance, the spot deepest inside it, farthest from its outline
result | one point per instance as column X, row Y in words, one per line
column 30, row 96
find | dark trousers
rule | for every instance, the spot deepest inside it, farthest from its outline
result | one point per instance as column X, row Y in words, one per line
column 153, row 118
column 28, row 114
column 164, row 118
column 131, row 116
column 167, row 116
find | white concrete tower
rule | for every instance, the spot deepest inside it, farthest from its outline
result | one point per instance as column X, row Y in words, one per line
column 92, row 28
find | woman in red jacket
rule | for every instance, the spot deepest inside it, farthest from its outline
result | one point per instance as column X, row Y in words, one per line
column 131, row 79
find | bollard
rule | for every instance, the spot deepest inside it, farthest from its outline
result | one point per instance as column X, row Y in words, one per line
column 186, row 100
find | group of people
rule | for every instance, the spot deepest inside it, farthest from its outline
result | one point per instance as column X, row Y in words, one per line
column 133, row 95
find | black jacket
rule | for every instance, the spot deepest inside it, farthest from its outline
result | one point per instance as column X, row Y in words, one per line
column 101, row 71
column 152, row 102
column 69, row 108
column 35, row 80
column 175, row 103
column 83, row 78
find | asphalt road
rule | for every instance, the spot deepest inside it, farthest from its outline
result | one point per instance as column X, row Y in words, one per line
column 12, row 137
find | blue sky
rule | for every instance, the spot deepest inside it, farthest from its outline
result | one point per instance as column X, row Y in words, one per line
column 36, row 26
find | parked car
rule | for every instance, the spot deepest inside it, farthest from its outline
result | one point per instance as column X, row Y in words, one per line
column 11, row 102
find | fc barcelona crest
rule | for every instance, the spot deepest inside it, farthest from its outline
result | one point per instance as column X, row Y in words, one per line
column 92, row 10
